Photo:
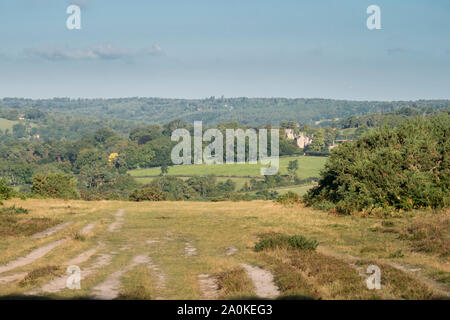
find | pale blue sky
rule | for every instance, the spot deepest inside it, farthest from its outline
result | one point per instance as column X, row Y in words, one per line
column 200, row 48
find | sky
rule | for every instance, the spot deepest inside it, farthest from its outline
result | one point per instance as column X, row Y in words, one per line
column 234, row 48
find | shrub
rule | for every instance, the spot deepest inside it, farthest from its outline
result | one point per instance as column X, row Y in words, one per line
column 139, row 292
column 289, row 198
column 14, row 210
column 148, row 194
column 55, row 185
column 234, row 282
column 175, row 188
column 5, row 191
column 324, row 205
column 289, row 242
column 32, row 277
column 266, row 194
column 389, row 169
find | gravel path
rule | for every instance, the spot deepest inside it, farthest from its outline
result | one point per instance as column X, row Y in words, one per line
column 209, row 287
column 32, row 256
column 117, row 224
column 86, row 230
column 263, row 282
column 51, row 231
column 110, row 288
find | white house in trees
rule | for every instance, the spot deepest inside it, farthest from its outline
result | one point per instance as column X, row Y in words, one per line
column 301, row 138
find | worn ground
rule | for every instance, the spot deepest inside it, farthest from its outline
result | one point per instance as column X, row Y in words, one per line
column 198, row 250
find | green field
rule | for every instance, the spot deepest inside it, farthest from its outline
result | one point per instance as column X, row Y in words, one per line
column 300, row 190
column 6, row 124
column 308, row 167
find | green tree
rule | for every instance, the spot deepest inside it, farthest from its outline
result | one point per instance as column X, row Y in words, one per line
column 5, row 191
column 292, row 168
column 318, row 142
column 164, row 169
column 19, row 130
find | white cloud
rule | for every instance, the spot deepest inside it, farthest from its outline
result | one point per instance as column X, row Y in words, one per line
column 105, row 52
column 102, row 52
column 155, row 50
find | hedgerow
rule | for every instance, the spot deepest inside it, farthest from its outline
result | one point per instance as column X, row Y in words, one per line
column 148, row 194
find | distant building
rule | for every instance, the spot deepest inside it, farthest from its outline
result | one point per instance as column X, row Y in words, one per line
column 289, row 134
column 22, row 116
column 301, row 139
column 331, row 147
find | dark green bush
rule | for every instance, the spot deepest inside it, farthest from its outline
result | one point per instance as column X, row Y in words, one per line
column 389, row 169
column 324, row 205
column 175, row 188
column 148, row 194
column 55, row 185
column 266, row 194
column 297, row 242
column 118, row 188
column 5, row 191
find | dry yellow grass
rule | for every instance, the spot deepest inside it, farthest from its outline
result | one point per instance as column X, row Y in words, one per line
column 163, row 230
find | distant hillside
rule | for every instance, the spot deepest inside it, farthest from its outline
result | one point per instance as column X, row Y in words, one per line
column 248, row 111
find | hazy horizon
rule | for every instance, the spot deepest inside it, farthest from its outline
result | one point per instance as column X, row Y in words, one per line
column 198, row 49
column 219, row 97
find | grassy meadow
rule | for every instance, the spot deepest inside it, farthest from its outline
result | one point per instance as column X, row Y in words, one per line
column 308, row 167
column 158, row 250
column 6, row 124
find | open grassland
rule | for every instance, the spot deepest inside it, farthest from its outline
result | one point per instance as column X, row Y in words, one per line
column 6, row 124
column 307, row 167
column 195, row 250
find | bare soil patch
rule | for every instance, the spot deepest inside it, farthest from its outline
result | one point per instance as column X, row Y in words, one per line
column 208, row 286
column 51, row 231
column 263, row 281
column 32, row 256
column 110, row 288
column 117, row 224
